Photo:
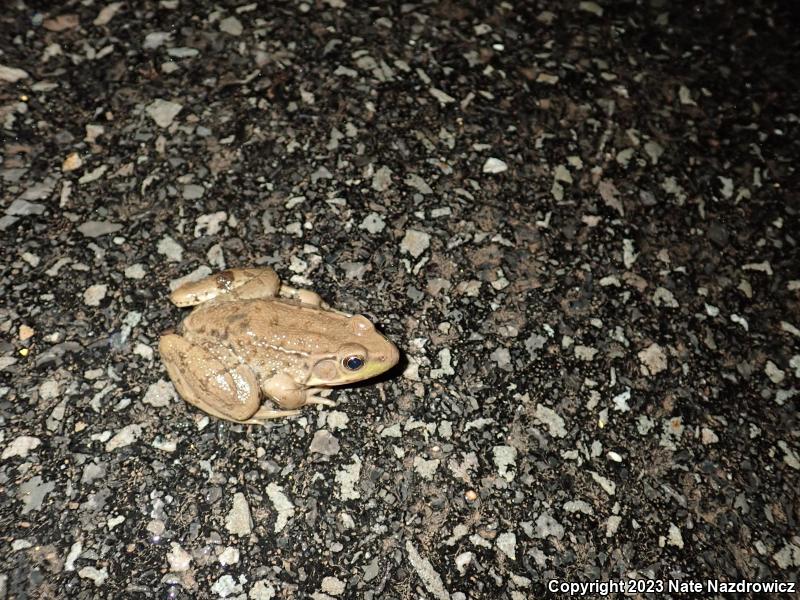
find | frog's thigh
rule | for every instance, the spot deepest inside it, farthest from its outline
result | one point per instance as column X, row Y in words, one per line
column 285, row 391
column 233, row 284
column 203, row 380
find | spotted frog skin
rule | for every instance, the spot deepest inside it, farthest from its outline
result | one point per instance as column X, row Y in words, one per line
column 250, row 336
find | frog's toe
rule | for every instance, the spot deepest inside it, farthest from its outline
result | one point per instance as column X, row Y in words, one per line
column 265, row 414
column 313, row 397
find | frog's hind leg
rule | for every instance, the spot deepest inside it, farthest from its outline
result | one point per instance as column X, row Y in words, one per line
column 231, row 284
column 206, row 381
column 308, row 297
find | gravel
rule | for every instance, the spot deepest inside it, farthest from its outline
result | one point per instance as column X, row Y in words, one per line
column 577, row 223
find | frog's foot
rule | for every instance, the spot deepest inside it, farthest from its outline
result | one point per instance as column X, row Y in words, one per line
column 264, row 414
column 304, row 296
column 204, row 380
column 231, row 284
column 312, row 397
column 308, row 297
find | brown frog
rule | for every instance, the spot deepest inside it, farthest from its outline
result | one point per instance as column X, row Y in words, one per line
column 250, row 335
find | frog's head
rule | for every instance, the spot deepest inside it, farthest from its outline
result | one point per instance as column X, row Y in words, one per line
column 362, row 354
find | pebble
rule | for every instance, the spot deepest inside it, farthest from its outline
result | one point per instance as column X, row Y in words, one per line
column 282, row 504
column 98, row 576
column 31, row 259
column 226, row 586
column 547, row 526
column 93, row 175
column 95, row 294
column 393, row 431
column 505, row 458
column 160, row 394
column 73, row 554
column 49, row 389
column 21, row 446
column 261, row 590
column 591, row 7
column 578, row 506
column 231, row 26
column 585, row 353
column 418, row 183
column 72, row 162
column 24, row 208
column 463, row 560
column 124, row 437
column 209, row 224
column 445, row 368
column 93, row 229
column 707, row 436
column 229, row 556
column 415, row 242
column 333, row 586
column 620, row 401
column 443, row 97
column 337, row 419
column 653, row 359
column 135, row 271
column 12, row 74
column 426, row 469
column 238, row 520
column 216, row 257
column 179, row 560
column 155, row 39
column 193, row 191
column 348, row 478
column 507, row 544
column 775, row 375
column 33, row 492
column 183, row 52
column 163, row 112
column 324, row 443
column 61, row 23
column 551, row 419
column 106, row 14
column 612, row 525
column 663, row 297
column 170, row 248
column 675, row 538
column 501, row 357
column 381, row 181
column 494, row 166
column 608, row 486
column 430, row 578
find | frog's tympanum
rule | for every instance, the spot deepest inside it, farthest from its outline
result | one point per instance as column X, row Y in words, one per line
column 250, row 335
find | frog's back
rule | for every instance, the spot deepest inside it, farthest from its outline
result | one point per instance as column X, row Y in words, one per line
column 279, row 324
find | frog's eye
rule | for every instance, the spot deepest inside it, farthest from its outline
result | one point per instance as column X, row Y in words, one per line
column 353, row 363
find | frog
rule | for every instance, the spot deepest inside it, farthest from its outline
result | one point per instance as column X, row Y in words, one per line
column 255, row 349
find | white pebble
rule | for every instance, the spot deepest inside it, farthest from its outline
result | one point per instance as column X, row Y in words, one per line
column 163, row 112
column 415, row 242
column 93, row 295
column 494, row 165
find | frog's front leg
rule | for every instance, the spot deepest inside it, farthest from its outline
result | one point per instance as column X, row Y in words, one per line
column 231, row 284
column 213, row 382
column 287, row 393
